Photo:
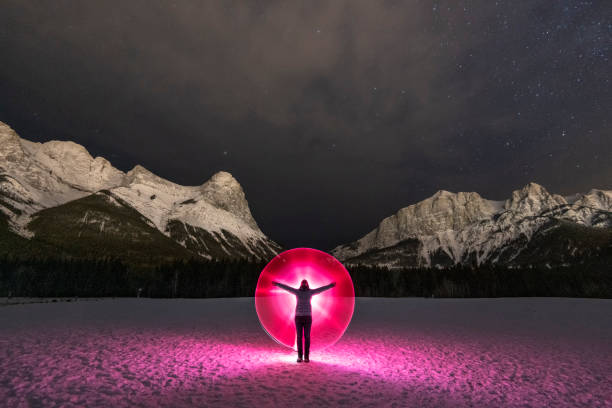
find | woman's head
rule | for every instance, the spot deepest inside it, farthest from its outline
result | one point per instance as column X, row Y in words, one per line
column 304, row 285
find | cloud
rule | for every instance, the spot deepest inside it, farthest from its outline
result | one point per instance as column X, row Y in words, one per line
column 375, row 102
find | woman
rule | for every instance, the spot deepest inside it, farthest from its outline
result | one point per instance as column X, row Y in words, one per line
column 303, row 313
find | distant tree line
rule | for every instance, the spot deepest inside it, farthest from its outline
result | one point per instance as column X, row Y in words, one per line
column 484, row 281
column 201, row 279
column 112, row 277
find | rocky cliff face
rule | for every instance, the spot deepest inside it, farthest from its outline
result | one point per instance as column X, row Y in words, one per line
column 463, row 228
column 212, row 220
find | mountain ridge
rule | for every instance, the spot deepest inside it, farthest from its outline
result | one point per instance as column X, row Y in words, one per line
column 213, row 220
column 464, row 228
column 38, row 176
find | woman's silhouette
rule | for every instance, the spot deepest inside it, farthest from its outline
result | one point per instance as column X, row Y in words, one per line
column 303, row 313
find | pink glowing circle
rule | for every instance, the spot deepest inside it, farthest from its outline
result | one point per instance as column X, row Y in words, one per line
column 331, row 310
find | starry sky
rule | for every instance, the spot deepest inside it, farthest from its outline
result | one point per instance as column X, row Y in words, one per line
column 331, row 114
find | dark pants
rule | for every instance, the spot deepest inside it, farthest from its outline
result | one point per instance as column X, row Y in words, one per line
column 303, row 323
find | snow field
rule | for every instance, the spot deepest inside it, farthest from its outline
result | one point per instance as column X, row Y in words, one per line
column 396, row 352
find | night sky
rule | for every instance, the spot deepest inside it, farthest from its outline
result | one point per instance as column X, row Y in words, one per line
column 331, row 114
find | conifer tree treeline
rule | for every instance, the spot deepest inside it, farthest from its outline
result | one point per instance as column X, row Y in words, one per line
column 202, row 279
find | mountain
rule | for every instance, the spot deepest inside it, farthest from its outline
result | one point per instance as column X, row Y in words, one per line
column 532, row 226
column 55, row 195
column 100, row 225
column 212, row 220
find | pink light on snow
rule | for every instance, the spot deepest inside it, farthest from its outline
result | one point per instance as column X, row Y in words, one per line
column 331, row 310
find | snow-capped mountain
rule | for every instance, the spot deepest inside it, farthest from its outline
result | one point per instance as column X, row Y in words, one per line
column 464, row 228
column 34, row 176
column 212, row 220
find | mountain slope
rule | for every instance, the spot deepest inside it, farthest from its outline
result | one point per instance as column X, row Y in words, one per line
column 463, row 228
column 102, row 226
column 9, row 241
column 211, row 221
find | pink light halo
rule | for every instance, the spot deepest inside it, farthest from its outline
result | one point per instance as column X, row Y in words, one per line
column 332, row 310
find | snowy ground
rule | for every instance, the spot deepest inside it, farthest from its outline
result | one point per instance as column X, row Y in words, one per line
column 396, row 352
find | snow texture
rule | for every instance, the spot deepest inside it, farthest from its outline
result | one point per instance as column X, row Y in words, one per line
column 219, row 204
column 396, row 352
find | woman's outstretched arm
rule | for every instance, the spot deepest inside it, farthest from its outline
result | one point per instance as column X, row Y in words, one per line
column 285, row 287
column 323, row 288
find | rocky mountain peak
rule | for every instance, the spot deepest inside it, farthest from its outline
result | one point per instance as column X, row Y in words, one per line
column 533, row 199
column 597, row 199
column 441, row 193
column 73, row 164
column 224, row 191
column 443, row 211
column 7, row 133
column 64, row 150
column 224, row 178
column 11, row 149
column 533, row 188
column 142, row 175
column 138, row 169
column 449, row 228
